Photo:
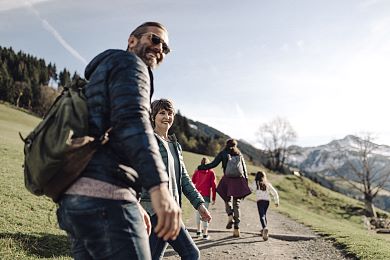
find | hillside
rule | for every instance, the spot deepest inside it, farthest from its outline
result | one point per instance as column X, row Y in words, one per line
column 252, row 154
column 29, row 229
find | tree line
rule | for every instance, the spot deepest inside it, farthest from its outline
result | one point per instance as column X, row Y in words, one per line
column 29, row 82
column 24, row 80
column 194, row 140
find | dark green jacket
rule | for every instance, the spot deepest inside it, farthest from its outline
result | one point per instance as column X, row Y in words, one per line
column 184, row 183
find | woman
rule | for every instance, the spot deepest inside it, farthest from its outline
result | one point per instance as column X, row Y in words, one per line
column 231, row 188
column 263, row 189
column 162, row 117
column 204, row 181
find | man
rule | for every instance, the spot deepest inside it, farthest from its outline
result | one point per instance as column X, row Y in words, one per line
column 100, row 211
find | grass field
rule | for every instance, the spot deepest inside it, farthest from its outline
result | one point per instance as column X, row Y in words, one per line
column 28, row 225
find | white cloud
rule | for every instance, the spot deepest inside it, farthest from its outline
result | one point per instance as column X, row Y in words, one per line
column 300, row 44
column 240, row 112
column 6, row 5
column 285, row 47
column 369, row 3
column 48, row 27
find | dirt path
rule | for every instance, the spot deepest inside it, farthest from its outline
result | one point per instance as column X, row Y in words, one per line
column 288, row 239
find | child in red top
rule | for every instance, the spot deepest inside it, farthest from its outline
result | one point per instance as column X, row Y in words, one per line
column 204, row 181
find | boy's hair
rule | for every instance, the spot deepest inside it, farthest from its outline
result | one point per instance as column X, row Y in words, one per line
column 261, row 179
column 204, row 161
column 159, row 104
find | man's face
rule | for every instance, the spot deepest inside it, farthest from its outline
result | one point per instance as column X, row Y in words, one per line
column 151, row 47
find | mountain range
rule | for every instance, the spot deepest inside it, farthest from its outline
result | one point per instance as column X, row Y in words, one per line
column 321, row 163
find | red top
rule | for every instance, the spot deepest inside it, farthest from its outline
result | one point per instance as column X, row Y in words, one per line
column 204, row 181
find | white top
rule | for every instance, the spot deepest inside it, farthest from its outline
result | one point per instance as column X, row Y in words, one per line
column 265, row 194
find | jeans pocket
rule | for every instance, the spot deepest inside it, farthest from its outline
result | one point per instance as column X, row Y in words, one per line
column 88, row 222
column 91, row 226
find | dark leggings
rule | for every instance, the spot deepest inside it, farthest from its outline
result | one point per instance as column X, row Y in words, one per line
column 262, row 207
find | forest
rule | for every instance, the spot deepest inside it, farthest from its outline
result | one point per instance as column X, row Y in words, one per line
column 33, row 84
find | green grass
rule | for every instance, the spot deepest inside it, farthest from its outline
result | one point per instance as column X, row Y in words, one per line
column 28, row 225
column 332, row 214
column 29, row 229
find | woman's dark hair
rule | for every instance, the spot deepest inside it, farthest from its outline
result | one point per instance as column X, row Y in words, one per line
column 231, row 147
column 261, row 180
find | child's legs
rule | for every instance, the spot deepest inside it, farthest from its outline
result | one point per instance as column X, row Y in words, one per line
column 197, row 217
column 262, row 207
column 205, row 223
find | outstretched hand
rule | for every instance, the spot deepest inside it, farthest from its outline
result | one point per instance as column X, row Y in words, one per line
column 168, row 213
column 204, row 213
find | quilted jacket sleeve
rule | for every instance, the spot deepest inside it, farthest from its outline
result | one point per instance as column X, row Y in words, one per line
column 132, row 136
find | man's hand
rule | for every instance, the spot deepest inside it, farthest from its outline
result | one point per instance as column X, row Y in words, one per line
column 168, row 213
column 204, row 213
column 145, row 215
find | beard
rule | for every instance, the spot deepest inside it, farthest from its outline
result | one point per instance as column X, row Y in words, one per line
column 148, row 56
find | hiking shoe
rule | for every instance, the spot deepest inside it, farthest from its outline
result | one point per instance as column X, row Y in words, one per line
column 206, row 237
column 236, row 232
column 265, row 234
column 198, row 234
column 229, row 225
column 261, row 232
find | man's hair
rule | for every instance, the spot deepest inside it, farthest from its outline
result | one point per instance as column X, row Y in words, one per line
column 159, row 104
column 143, row 28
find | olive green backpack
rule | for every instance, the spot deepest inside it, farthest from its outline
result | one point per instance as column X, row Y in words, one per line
column 59, row 148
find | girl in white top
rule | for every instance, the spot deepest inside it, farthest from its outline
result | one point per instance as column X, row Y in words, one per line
column 263, row 190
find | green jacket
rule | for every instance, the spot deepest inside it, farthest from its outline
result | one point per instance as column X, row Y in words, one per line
column 185, row 185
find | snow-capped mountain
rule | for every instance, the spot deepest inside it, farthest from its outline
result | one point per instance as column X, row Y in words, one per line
column 321, row 162
column 320, row 158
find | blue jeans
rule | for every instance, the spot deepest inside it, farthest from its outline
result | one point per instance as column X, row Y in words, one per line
column 262, row 207
column 103, row 228
column 183, row 244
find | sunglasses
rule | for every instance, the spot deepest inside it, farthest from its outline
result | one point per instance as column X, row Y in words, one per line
column 157, row 40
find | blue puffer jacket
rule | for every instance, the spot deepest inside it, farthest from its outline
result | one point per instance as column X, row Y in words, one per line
column 118, row 95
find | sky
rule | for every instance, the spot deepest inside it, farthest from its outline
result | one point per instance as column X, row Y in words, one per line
column 322, row 65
